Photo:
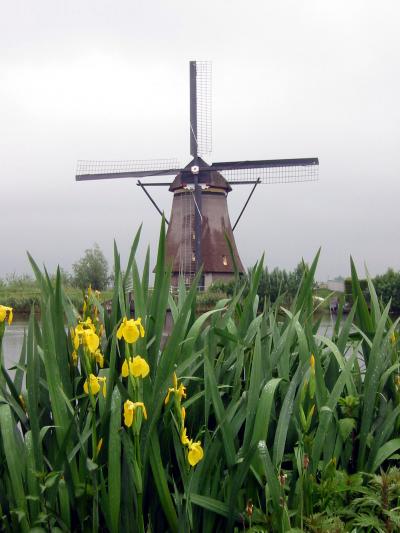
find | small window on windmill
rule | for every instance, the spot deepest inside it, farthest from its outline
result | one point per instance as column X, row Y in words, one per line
column 193, row 236
column 193, row 257
column 224, row 260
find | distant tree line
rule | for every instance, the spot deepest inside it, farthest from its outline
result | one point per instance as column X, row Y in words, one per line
column 283, row 283
column 387, row 287
column 90, row 269
column 273, row 284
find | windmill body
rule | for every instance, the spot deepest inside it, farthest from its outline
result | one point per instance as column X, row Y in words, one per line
column 218, row 260
column 200, row 235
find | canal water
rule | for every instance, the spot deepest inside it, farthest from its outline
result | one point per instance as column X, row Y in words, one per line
column 14, row 337
column 12, row 342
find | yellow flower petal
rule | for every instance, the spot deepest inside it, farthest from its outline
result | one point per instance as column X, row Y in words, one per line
column 138, row 323
column 120, row 331
column 170, row 390
column 75, row 339
column 184, row 438
column 99, row 358
column 89, row 324
column 130, row 331
column 93, row 383
column 129, row 410
column 181, row 392
column 125, row 369
column 143, row 408
column 195, row 453
column 3, row 313
column 91, row 340
column 139, row 367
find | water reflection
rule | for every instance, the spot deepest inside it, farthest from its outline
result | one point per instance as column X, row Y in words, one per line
column 12, row 342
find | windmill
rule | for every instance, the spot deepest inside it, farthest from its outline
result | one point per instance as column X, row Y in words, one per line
column 199, row 228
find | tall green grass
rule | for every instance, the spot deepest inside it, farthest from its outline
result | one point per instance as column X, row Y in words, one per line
column 284, row 413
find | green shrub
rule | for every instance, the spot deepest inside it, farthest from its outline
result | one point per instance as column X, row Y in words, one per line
column 387, row 287
column 348, row 290
column 91, row 270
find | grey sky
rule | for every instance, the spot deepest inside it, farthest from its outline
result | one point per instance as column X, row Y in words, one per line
column 109, row 80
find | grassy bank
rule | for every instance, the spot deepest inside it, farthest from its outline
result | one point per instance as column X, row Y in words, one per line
column 21, row 299
column 244, row 420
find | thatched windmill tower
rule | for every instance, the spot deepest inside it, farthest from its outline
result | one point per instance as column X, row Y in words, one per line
column 199, row 228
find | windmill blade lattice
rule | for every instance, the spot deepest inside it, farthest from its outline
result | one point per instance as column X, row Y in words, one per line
column 97, row 170
column 270, row 171
column 200, row 108
column 204, row 107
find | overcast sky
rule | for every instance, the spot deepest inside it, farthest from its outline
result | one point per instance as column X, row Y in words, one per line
column 99, row 79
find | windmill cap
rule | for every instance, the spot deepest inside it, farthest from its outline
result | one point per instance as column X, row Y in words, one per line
column 211, row 178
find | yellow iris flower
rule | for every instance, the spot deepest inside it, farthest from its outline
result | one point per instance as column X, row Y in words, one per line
column 136, row 366
column 99, row 358
column 129, row 411
column 130, row 330
column 179, row 391
column 3, row 314
column 75, row 340
column 312, row 363
column 195, row 453
column 75, row 357
column 85, row 333
column 87, row 324
column 93, row 382
column 91, row 340
column 184, row 438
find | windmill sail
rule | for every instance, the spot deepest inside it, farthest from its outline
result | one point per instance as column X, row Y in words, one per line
column 269, row 171
column 100, row 170
column 200, row 108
